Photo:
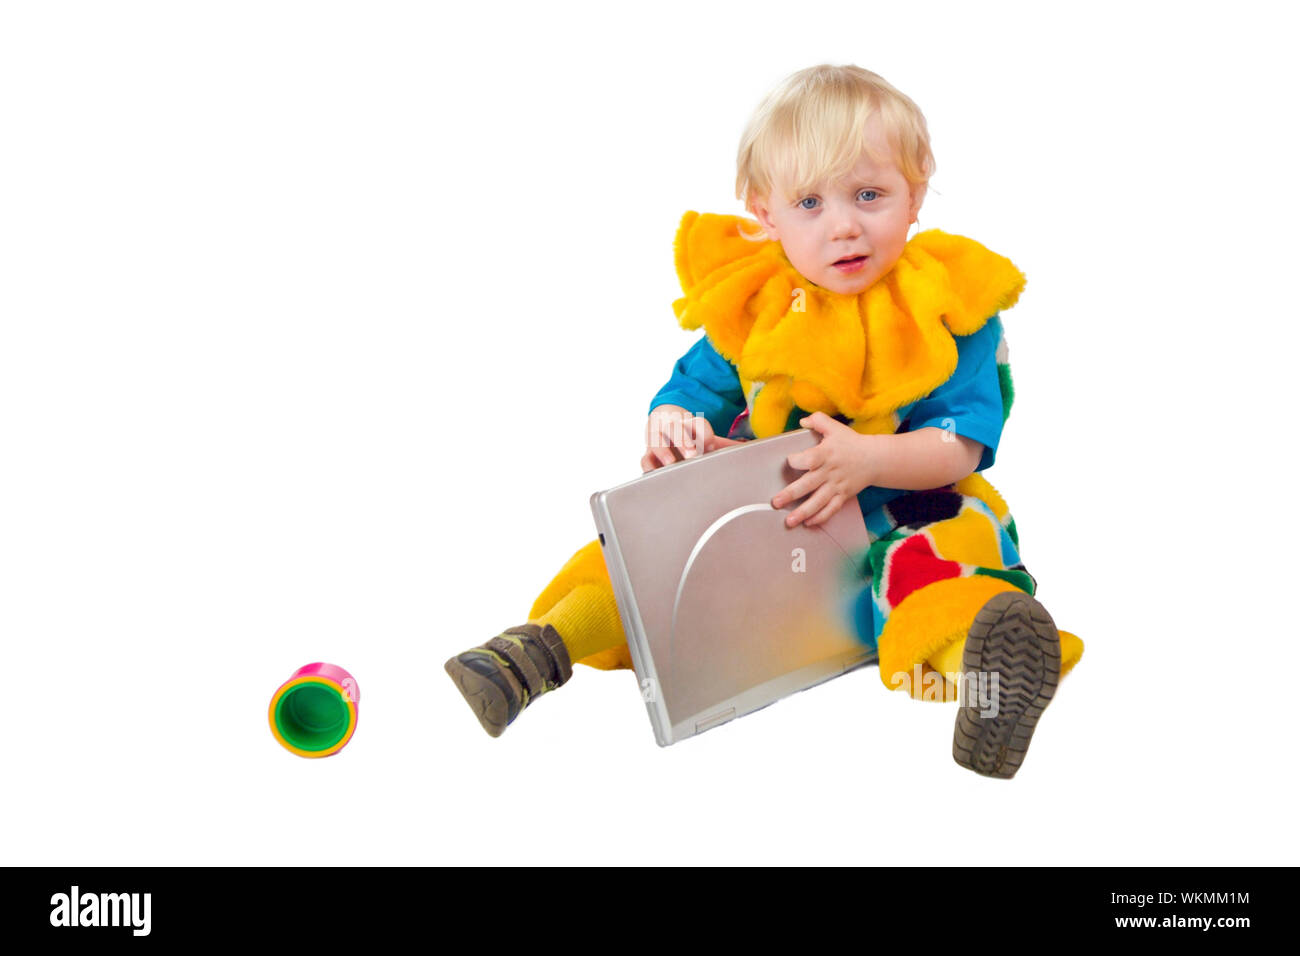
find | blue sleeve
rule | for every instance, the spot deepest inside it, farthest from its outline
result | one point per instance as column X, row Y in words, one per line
column 705, row 383
column 970, row 402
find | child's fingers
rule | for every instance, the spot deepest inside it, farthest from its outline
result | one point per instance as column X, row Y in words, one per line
column 826, row 513
column 808, row 459
column 665, row 422
column 665, row 455
column 674, row 434
column 806, row 483
column 652, row 426
column 657, row 456
column 682, row 437
column 815, row 504
column 659, row 426
column 679, row 435
column 697, row 434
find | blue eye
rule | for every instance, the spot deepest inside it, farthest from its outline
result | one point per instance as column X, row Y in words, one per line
column 871, row 192
column 807, row 199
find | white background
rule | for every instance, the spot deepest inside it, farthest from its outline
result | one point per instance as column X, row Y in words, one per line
column 321, row 322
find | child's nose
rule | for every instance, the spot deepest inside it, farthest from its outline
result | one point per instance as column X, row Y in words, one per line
column 845, row 226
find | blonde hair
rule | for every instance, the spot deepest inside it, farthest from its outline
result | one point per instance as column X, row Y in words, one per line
column 812, row 128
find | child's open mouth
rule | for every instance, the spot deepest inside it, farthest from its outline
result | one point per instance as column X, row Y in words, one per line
column 850, row 263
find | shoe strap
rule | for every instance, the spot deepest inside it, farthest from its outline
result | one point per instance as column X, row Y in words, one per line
column 550, row 639
column 532, row 679
column 548, row 642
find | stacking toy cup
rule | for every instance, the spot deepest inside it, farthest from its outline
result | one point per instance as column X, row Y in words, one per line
column 314, row 712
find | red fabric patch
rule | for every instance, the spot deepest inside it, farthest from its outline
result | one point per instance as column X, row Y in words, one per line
column 912, row 565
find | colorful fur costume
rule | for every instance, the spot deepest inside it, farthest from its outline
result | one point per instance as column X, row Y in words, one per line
column 868, row 360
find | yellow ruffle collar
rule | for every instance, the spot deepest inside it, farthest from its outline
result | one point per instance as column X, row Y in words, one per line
column 864, row 355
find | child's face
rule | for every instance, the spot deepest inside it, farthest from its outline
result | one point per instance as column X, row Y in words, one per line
column 865, row 215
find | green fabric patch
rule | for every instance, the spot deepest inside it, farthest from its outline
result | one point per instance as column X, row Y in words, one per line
column 879, row 551
column 1008, row 390
column 1019, row 578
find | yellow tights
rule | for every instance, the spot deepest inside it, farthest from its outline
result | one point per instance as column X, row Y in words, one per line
column 579, row 603
column 587, row 620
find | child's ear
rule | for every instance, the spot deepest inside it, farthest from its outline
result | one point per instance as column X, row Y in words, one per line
column 759, row 208
column 918, row 197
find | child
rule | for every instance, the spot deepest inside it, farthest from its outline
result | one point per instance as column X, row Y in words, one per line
column 829, row 318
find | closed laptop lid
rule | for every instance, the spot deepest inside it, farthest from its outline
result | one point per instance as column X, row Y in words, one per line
column 726, row 609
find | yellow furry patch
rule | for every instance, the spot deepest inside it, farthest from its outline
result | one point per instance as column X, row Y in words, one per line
column 971, row 535
column 924, row 625
column 977, row 486
column 864, row 355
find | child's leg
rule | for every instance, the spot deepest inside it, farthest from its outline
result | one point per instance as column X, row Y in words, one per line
column 579, row 603
column 574, row 618
column 586, row 619
column 922, row 641
column 952, row 597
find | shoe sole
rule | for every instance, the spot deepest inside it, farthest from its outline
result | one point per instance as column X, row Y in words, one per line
column 485, row 698
column 1014, row 637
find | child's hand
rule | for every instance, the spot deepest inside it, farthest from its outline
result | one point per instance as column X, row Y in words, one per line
column 674, row 434
column 838, row 468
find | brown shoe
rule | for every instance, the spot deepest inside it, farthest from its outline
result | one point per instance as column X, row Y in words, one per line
column 1015, row 643
column 502, row 677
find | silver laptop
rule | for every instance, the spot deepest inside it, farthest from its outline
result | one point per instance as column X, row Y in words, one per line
column 725, row 609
